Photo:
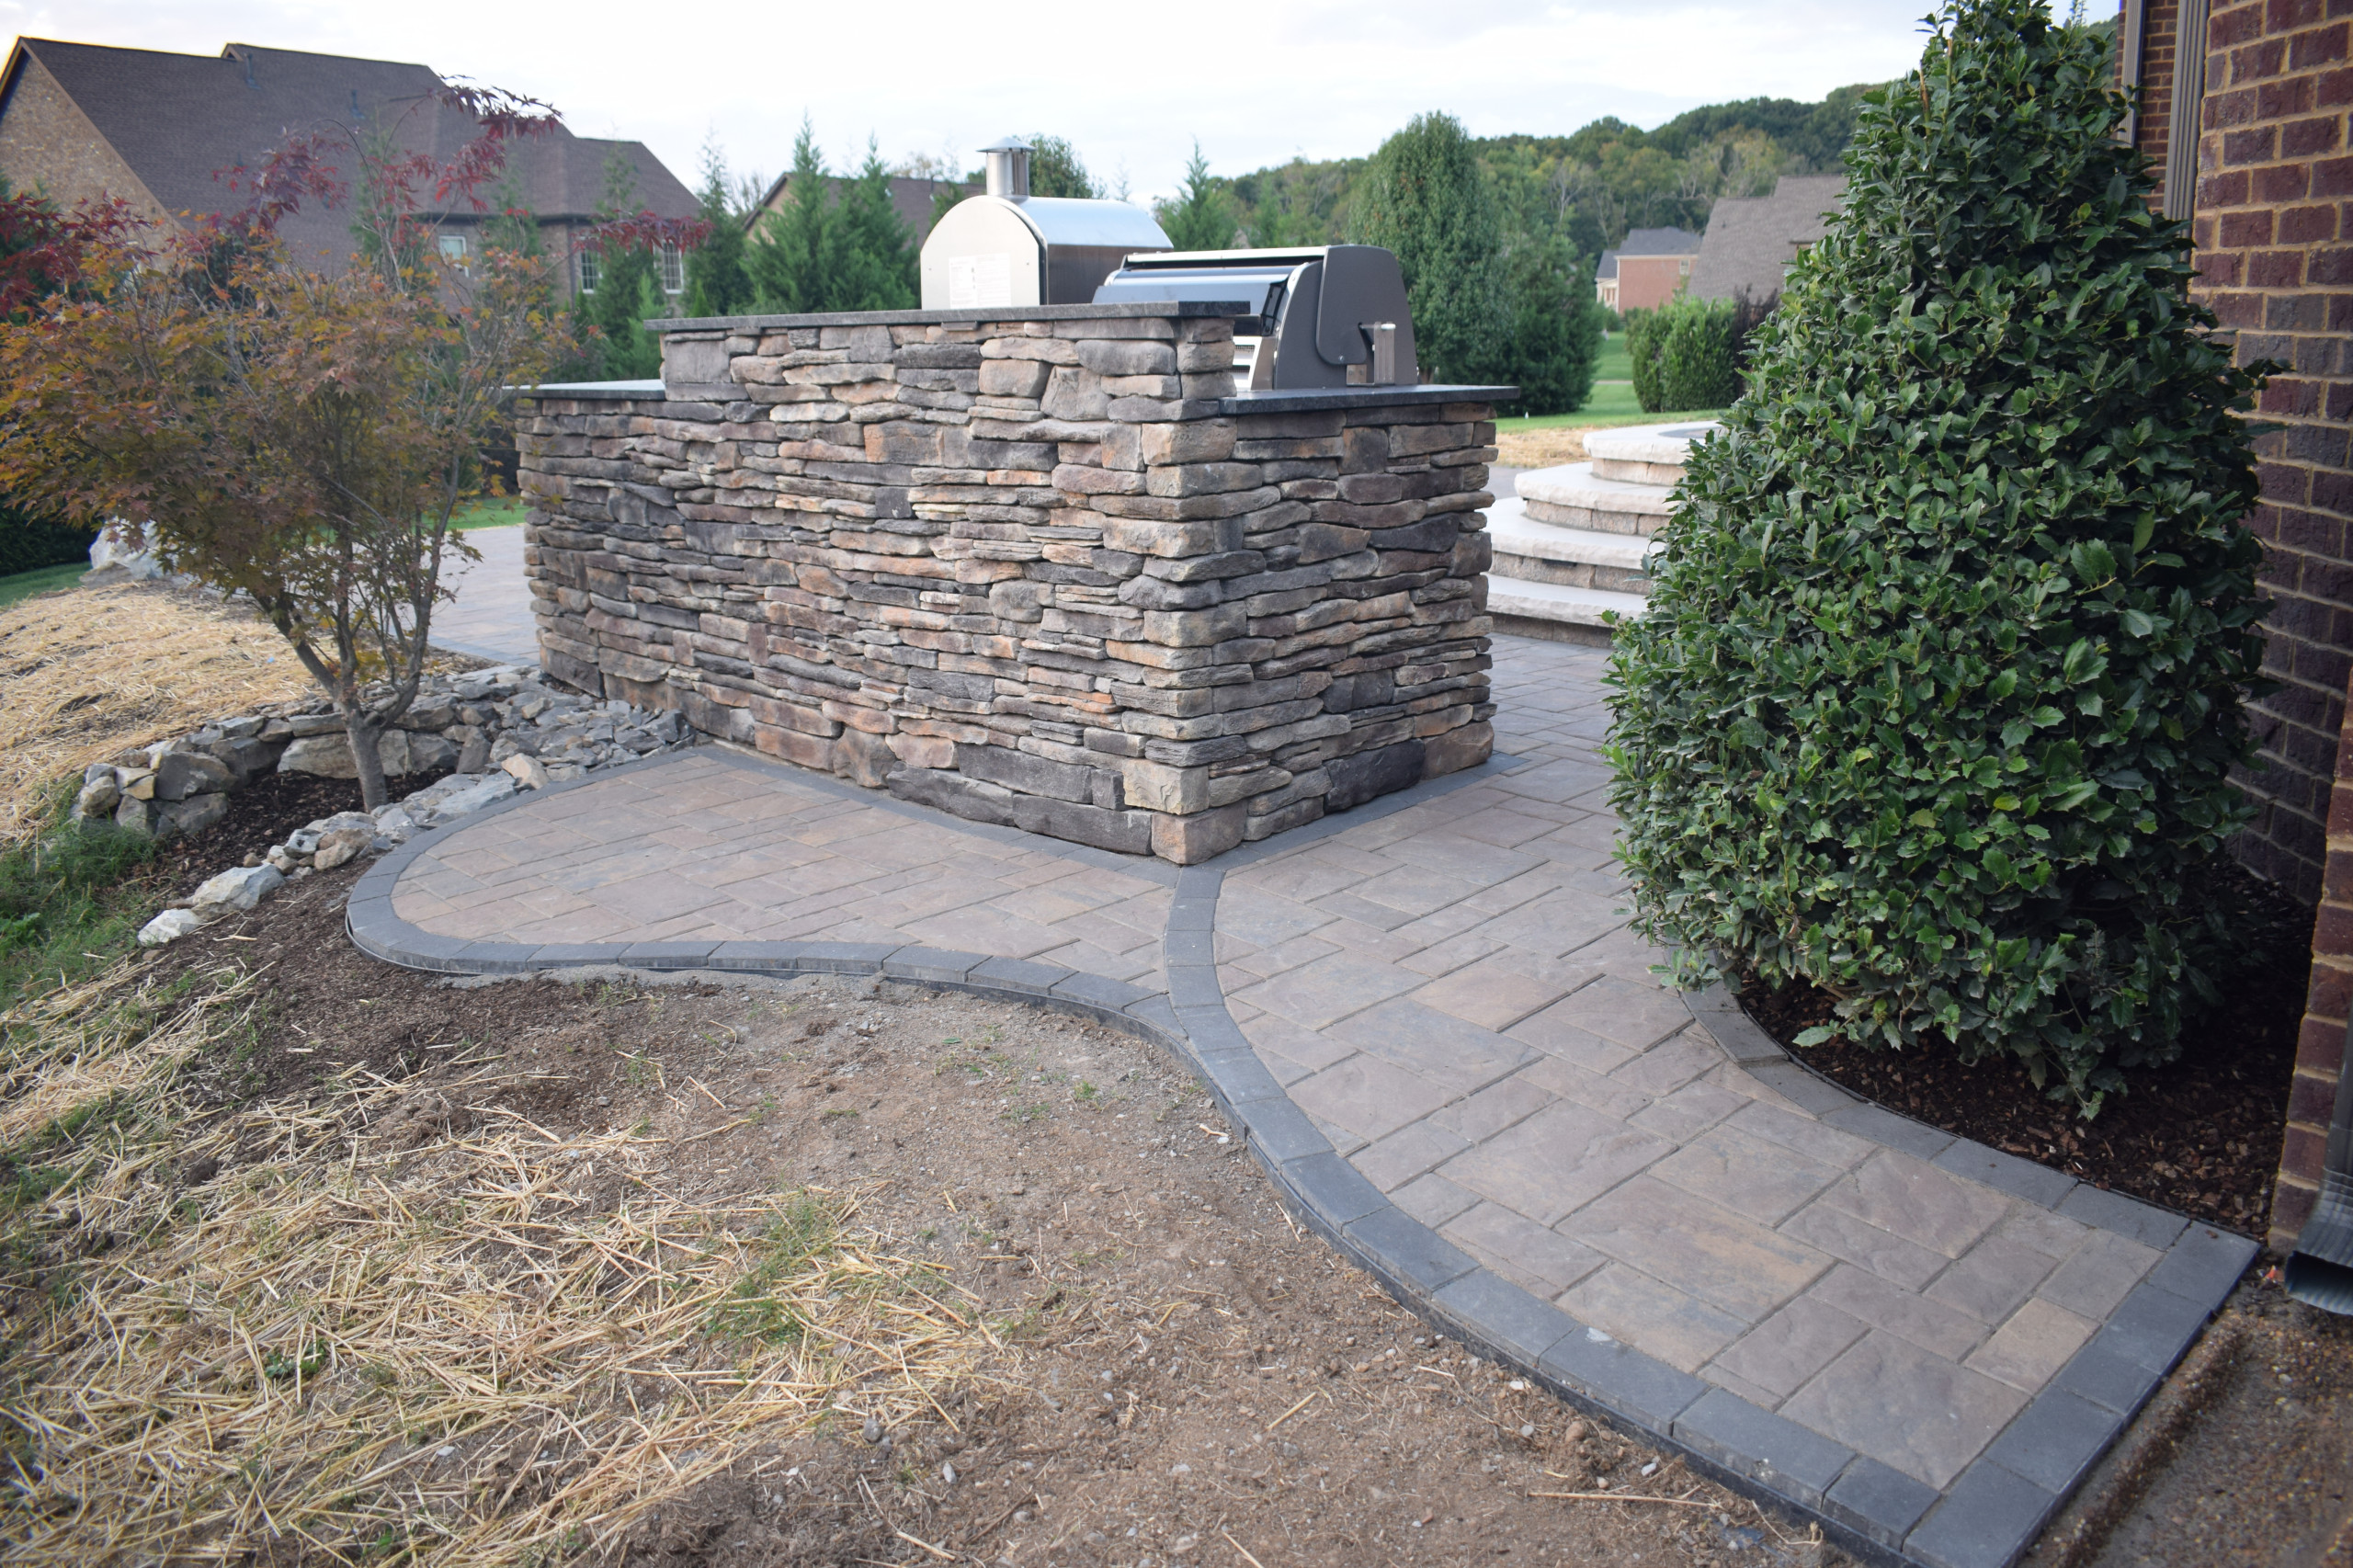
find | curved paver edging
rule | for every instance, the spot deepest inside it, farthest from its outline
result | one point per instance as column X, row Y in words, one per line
column 1985, row 1518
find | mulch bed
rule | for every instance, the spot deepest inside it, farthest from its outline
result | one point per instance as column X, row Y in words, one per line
column 2200, row 1135
column 262, row 813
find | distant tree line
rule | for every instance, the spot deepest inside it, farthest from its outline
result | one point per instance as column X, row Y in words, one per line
column 1498, row 236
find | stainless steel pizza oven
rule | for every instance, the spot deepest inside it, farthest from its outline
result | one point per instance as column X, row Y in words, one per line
column 1322, row 316
column 1008, row 247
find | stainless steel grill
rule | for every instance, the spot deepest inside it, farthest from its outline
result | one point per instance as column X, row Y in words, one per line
column 1321, row 315
column 1008, row 247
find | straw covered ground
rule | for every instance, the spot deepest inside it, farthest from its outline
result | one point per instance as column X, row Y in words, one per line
column 88, row 672
column 307, row 1259
column 1540, row 447
column 353, row 1348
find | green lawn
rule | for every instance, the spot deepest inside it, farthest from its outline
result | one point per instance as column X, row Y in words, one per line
column 25, row 585
column 1602, row 411
column 490, row 512
column 1612, row 401
column 1616, row 365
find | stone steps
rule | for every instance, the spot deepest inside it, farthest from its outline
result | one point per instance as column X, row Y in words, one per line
column 1574, row 497
column 1576, row 542
column 1547, row 605
column 1531, row 551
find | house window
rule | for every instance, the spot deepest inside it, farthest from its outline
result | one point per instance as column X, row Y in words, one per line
column 587, row 272
column 673, row 269
column 1684, row 267
column 453, row 249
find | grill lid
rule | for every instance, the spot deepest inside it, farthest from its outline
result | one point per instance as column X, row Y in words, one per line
column 1326, row 315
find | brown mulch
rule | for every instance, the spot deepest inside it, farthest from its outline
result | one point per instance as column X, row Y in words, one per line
column 2200, row 1135
column 262, row 813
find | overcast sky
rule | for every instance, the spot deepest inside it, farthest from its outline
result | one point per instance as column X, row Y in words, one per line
column 1131, row 86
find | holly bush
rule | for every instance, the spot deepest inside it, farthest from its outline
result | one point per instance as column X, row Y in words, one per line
column 1938, row 690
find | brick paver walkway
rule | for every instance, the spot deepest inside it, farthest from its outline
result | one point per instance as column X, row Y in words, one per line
column 1446, row 987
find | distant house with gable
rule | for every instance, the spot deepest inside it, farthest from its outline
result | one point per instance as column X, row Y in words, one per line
column 1645, row 269
column 1753, row 241
column 82, row 120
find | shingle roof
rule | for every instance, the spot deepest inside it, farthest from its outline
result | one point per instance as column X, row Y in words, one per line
column 178, row 119
column 1608, row 265
column 1753, row 241
column 911, row 198
column 1658, row 241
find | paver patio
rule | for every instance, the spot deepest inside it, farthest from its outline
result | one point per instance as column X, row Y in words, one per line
column 1921, row 1341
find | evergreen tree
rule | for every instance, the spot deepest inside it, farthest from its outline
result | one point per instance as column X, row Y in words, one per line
column 1201, row 215
column 1055, row 170
column 867, row 256
column 628, row 288
column 1555, row 333
column 787, row 249
column 718, row 283
column 1938, row 694
column 1425, row 197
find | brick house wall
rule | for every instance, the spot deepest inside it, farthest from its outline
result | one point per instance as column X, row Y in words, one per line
column 47, row 143
column 1646, row 282
column 2160, row 24
column 2273, row 229
column 2275, row 261
column 2319, row 1049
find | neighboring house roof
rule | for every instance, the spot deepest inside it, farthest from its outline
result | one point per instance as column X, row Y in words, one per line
column 911, row 198
column 177, row 119
column 1753, row 241
column 1658, row 241
column 1607, row 268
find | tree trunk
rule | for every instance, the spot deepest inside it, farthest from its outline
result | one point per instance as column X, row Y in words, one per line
column 364, row 733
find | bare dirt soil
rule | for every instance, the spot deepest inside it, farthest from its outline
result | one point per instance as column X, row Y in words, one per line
column 2246, row 1457
column 1180, row 1374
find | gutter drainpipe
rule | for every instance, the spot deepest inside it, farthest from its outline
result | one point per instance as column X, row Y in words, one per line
column 2320, row 1268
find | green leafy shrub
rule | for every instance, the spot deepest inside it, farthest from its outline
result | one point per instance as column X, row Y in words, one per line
column 1939, row 687
column 1554, row 343
column 1685, row 355
column 1646, row 335
column 1695, row 360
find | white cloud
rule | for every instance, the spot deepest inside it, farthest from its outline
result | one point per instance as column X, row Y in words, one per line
column 1129, row 86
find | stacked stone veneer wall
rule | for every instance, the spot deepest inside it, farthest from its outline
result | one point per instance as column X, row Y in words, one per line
column 1040, row 570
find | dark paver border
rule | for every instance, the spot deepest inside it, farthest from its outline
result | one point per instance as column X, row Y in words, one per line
column 1987, row 1518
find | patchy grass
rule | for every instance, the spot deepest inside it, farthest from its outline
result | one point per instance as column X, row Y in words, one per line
column 71, row 900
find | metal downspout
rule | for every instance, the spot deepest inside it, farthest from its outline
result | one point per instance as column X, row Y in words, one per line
column 2320, row 1268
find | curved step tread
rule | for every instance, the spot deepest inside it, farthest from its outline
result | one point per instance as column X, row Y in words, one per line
column 1550, row 601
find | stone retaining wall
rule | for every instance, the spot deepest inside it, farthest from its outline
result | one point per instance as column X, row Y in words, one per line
column 1045, row 570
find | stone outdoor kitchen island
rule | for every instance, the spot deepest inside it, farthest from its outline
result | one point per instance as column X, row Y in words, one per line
column 1035, row 565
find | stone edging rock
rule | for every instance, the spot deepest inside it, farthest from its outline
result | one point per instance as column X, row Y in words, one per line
column 1987, row 1518
column 502, row 729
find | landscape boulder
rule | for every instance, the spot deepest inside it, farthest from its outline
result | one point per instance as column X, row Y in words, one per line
column 180, row 774
column 168, row 926
column 235, row 891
